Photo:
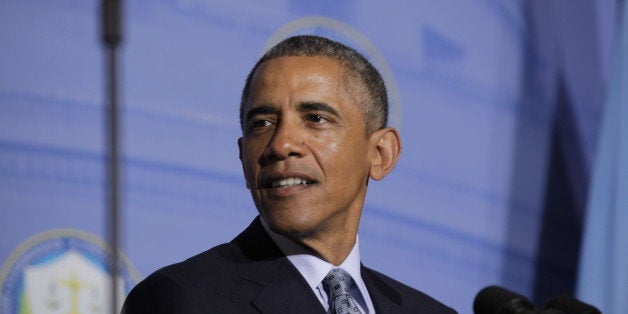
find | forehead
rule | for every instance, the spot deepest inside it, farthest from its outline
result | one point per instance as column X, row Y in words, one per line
column 300, row 77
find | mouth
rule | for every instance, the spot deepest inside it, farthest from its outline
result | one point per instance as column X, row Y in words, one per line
column 289, row 182
column 282, row 182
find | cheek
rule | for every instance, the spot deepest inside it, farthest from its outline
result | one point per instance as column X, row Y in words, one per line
column 329, row 143
column 249, row 160
column 340, row 154
column 333, row 147
column 326, row 145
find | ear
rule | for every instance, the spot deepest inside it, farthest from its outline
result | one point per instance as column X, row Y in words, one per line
column 242, row 162
column 240, row 148
column 385, row 148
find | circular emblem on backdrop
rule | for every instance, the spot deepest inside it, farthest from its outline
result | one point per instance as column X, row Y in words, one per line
column 62, row 271
column 350, row 36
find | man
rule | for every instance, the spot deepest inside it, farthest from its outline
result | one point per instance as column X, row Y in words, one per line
column 313, row 115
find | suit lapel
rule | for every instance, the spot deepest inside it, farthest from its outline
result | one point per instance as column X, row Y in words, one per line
column 282, row 288
column 385, row 298
column 288, row 293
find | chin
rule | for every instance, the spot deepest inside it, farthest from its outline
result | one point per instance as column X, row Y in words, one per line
column 291, row 227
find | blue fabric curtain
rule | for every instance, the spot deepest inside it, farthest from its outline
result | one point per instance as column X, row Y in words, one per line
column 603, row 274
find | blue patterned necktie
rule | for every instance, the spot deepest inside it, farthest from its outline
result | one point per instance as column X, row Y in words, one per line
column 338, row 283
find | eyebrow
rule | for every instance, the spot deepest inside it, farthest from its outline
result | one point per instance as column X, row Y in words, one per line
column 318, row 106
column 260, row 110
column 304, row 106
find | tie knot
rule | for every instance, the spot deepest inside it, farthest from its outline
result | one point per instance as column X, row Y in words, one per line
column 338, row 282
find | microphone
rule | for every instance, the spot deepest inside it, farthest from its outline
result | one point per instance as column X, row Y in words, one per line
column 498, row 300
column 568, row 305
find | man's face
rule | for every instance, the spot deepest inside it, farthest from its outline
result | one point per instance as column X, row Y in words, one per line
column 304, row 151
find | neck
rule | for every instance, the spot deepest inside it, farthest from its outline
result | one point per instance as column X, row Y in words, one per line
column 333, row 247
column 331, row 240
column 335, row 254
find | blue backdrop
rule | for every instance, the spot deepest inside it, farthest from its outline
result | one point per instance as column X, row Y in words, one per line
column 498, row 103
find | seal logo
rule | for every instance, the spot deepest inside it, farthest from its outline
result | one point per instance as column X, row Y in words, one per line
column 347, row 34
column 62, row 271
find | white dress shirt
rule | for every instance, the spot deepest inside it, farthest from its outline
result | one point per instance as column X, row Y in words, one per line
column 314, row 269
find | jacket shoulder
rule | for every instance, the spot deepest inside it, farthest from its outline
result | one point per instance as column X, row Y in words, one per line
column 186, row 287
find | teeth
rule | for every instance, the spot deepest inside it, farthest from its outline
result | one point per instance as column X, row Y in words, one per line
column 287, row 182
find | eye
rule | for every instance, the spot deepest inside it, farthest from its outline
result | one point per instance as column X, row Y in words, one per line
column 316, row 118
column 258, row 124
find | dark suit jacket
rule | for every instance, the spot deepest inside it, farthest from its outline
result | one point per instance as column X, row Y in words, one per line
column 251, row 275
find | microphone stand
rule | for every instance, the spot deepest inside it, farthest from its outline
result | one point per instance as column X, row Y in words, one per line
column 112, row 36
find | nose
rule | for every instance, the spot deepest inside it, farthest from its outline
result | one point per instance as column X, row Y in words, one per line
column 286, row 141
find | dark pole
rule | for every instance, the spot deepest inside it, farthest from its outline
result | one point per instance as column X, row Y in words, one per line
column 112, row 36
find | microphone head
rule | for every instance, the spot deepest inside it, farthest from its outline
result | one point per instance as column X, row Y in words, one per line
column 569, row 305
column 498, row 300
